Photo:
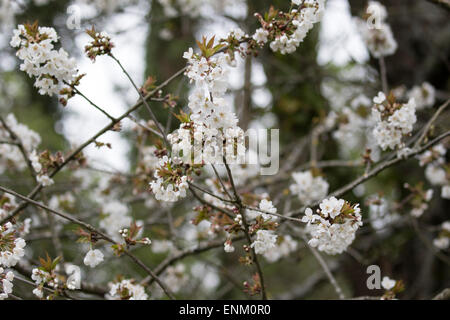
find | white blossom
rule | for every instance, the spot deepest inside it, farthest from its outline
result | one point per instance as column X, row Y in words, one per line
column 265, row 240
column 260, row 36
column 93, row 258
column 388, row 283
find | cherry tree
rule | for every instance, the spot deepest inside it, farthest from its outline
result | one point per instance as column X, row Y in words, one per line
column 196, row 211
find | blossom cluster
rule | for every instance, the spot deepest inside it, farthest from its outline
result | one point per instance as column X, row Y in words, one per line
column 11, row 246
column 48, row 275
column 51, row 68
column 393, row 121
column 207, row 101
column 210, row 123
column 194, row 143
column 288, row 31
column 100, row 45
column 333, row 227
column 378, row 38
column 170, row 185
column 265, row 241
column 126, row 289
column 308, row 187
column 6, row 283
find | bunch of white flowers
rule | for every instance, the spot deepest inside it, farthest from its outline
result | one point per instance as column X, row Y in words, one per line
column 334, row 226
column 378, row 38
column 47, row 275
column 6, row 283
column 265, row 241
column 393, row 121
column 127, row 289
column 100, row 44
column 282, row 249
column 308, row 13
column 442, row 242
column 194, row 143
column 307, row 187
column 10, row 154
column 11, row 246
column 424, row 95
column 169, row 185
column 43, row 278
column 210, row 131
column 51, row 68
column 207, row 101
